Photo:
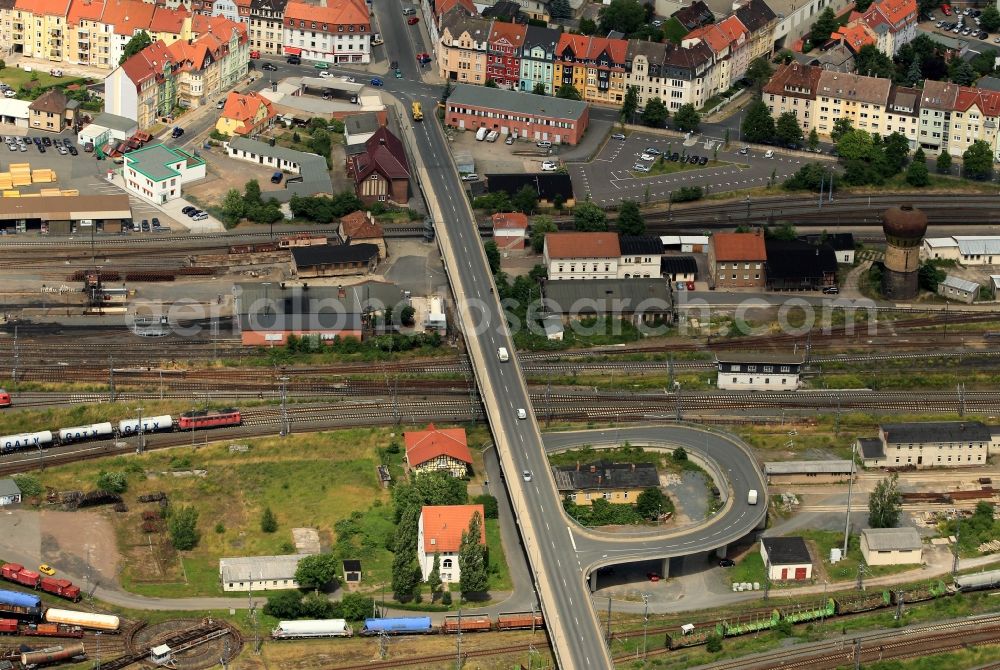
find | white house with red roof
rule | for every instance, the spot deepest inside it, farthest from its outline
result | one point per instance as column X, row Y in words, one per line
column 438, row 450
column 439, row 531
column 510, row 230
column 338, row 32
column 245, row 114
column 894, row 22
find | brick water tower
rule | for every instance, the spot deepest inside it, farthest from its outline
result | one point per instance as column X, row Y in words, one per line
column 904, row 229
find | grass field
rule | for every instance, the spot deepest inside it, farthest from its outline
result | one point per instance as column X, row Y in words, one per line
column 16, row 77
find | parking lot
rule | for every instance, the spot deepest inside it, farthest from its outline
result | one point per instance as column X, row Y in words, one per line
column 612, row 176
column 959, row 23
column 81, row 172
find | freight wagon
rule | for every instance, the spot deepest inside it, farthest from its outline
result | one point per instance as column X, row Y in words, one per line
column 92, row 432
column 58, row 654
column 520, row 621
column 104, row 622
column 466, row 624
column 37, row 440
column 978, row 581
column 307, row 628
column 50, row 630
column 398, row 626
column 15, row 572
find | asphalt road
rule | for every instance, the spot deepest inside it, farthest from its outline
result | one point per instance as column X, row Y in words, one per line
column 736, row 520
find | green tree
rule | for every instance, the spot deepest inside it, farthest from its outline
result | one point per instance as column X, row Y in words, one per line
column 492, row 255
column 629, row 105
column 757, row 125
column 490, row 83
column 759, row 73
column 560, row 9
column 233, row 206
column 29, row 485
column 679, row 454
column 587, row 26
column 897, row 151
column 284, row 605
column 914, row 75
column 472, row 559
column 809, row 177
column 687, row 118
column 588, row 217
column 961, row 72
column 630, row 221
column 491, row 509
column 316, row 571
column 989, row 20
column 862, row 5
column 448, row 89
column 183, row 528
column 929, row 276
column 406, row 315
column 944, row 162
column 787, row 129
column 356, row 606
column 112, row 482
column 873, row 63
column 841, row 126
column 568, row 92
column 855, row 145
column 540, row 227
column 813, row 140
column 137, row 43
column 823, row 27
column 650, row 503
column 885, row 503
column 977, row 161
column 655, row 114
column 316, row 605
column 917, row 173
column 539, row 89
column 434, row 578
column 713, row 643
column 268, row 523
column 525, row 200
column 626, row 16
column 251, row 192
column 405, row 569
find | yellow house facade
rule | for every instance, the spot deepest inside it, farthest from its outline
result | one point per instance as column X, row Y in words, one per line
column 39, row 26
column 618, row 483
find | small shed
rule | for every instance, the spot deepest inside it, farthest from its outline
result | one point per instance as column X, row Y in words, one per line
column 553, row 327
column 786, row 558
column 891, row 546
column 807, row 472
column 161, row 655
column 352, row 571
column 956, row 288
column 10, row 494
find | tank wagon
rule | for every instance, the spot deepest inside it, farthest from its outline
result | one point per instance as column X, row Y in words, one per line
column 103, row 622
column 398, row 626
column 307, row 628
column 58, row 654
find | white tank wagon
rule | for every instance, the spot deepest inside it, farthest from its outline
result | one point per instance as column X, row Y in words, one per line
column 25, row 441
column 105, row 622
column 978, row 581
column 150, row 424
column 94, row 431
column 291, row 630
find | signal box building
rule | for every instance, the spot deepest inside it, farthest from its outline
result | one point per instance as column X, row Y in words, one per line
column 758, row 371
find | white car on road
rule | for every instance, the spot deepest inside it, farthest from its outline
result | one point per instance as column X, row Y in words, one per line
column 769, row 154
column 550, row 166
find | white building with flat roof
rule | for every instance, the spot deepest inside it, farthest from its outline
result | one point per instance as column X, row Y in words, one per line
column 259, row 573
column 891, row 546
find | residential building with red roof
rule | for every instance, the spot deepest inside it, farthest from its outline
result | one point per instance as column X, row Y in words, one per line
column 510, row 230
column 894, row 22
column 855, row 35
column 438, row 450
column 792, row 88
column 245, row 114
column 338, row 31
column 572, row 255
column 975, row 117
column 715, row 38
column 439, row 532
column 82, row 23
column 595, row 66
column 186, row 73
column 360, row 227
column 381, row 172
column 42, row 32
column 736, row 260
column 739, row 46
column 503, row 58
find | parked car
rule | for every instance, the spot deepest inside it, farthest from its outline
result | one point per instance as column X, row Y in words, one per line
column 549, row 166
column 376, row 82
column 423, row 57
column 831, row 290
column 653, row 576
column 703, row 160
column 46, row 141
column 693, row 160
column 472, row 176
column 640, row 167
column 320, row 65
column 348, row 79
column 44, row 568
column 155, row 222
column 254, row 53
column 145, row 226
column 270, row 67
column 200, row 216
column 646, row 156
column 543, row 144
column 409, row 11
column 177, row 132
column 326, row 74
column 294, row 60
column 769, row 154
column 10, row 93
column 509, row 140
column 744, row 151
column 652, row 151
column 946, row 9
column 413, row 20
column 618, row 136
column 219, row 104
column 726, row 563
column 194, row 212
column 674, row 157
column 188, row 210
column 277, row 177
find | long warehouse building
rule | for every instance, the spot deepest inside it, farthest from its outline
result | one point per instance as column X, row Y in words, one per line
column 63, row 214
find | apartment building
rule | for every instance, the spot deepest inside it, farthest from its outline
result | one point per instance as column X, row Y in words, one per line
column 736, row 260
column 793, row 89
column 602, row 256
column 936, row 104
column 339, row 32
column 739, row 47
column 893, row 21
column 974, row 117
column 187, row 73
column 6, row 27
column 503, row 57
column 538, row 58
column 595, row 66
column 762, row 23
column 462, row 49
column 902, row 113
column 39, row 28
column 265, row 25
column 86, row 39
column 863, row 100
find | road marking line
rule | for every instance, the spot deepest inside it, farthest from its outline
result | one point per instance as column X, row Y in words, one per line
column 571, row 538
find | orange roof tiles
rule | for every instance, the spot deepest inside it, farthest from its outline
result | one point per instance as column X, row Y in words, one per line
column 443, row 6
column 716, row 38
column 988, row 102
column 336, row 12
column 894, row 11
column 148, row 63
column 425, row 445
column 583, row 245
column 359, row 225
column 167, row 20
column 510, row 221
column 127, row 16
column 444, row 524
column 513, row 33
column 84, row 10
column 794, row 80
column 855, row 35
column 739, row 246
column 734, row 29
column 244, row 108
column 48, row 7
column 591, row 48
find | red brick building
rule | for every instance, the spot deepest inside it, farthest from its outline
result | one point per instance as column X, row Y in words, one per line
column 737, row 260
column 535, row 117
column 503, row 59
column 381, row 172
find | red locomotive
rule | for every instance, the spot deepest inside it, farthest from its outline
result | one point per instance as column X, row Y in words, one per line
column 4, row 399
column 209, row 419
